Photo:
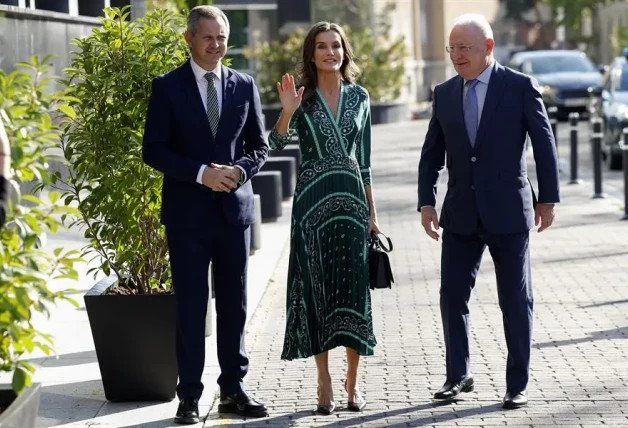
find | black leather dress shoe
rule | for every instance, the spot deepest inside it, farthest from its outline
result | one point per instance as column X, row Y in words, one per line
column 452, row 389
column 187, row 413
column 243, row 405
column 514, row 400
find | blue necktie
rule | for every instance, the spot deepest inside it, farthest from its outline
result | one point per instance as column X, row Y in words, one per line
column 471, row 110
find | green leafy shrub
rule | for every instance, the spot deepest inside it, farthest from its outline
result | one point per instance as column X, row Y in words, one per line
column 276, row 57
column 382, row 63
column 117, row 195
column 29, row 114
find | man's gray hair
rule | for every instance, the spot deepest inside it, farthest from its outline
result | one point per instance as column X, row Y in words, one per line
column 210, row 12
column 477, row 21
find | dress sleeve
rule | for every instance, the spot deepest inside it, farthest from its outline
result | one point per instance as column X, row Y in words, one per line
column 364, row 146
column 278, row 141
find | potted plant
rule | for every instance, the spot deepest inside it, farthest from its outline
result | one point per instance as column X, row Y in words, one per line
column 28, row 113
column 132, row 309
column 382, row 61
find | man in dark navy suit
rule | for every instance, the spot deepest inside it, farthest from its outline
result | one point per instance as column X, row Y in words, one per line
column 478, row 130
column 204, row 132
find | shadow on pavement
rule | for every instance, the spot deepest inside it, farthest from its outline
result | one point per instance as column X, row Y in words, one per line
column 588, row 257
column 597, row 305
column 71, row 402
column 164, row 423
column 616, row 333
column 284, row 420
column 426, row 420
column 65, row 360
column 288, row 420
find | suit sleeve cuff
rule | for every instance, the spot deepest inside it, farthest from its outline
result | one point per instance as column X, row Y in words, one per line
column 199, row 176
column 243, row 177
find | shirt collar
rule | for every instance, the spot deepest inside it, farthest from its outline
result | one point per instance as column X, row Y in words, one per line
column 200, row 72
column 485, row 76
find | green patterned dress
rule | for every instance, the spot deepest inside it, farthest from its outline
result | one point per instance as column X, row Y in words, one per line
column 328, row 300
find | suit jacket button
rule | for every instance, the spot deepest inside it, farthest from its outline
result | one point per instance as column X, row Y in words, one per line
column 472, row 187
column 473, row 159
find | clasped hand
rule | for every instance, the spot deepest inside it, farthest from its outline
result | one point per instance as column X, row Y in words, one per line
column 221, row 178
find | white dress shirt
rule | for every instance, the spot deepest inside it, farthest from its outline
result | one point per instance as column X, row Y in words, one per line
column 199, row 75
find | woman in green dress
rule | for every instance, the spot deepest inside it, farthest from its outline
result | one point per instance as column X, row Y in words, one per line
column 328, row 299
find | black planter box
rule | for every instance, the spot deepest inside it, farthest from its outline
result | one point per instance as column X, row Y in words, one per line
column 388, row 113
column 271, row 115
column 20, row 411
column 134, row 337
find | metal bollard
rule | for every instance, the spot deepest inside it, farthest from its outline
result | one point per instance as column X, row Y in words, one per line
column 596, row 145
column 573, row 124
column 624, row 149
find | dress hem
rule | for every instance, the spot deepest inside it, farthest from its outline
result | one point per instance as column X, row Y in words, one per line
column 362, row 352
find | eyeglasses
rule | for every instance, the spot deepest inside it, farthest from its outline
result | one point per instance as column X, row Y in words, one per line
column 463, row 48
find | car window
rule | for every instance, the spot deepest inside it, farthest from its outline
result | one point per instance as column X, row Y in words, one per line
column 558, row 64
column 622, row 81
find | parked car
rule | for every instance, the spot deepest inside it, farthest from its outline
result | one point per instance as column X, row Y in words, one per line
column 569, row 79
column 612, row 107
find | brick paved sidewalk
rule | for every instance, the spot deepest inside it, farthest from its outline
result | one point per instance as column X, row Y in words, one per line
column 580, row 368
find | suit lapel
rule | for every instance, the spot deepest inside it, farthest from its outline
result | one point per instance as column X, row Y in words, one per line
column 228, row 82
column 493, row 95
column 191, row 88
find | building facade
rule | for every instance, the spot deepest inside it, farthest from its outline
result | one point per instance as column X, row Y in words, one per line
column 432, row 24
column 251, row 22
column 39, row 27
column 28, row 29
column 425, row 25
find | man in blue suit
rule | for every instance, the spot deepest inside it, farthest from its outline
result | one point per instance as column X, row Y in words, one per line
column 204, row 132
column 478, row 130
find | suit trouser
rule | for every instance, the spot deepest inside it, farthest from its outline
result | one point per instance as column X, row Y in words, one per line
column 460, row 262
column 191, row 250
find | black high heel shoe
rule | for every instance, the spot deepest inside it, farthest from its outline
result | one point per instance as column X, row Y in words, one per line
column 356, row 406
column 324, row 409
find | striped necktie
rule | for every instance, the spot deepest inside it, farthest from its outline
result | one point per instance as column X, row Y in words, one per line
column 213, row 113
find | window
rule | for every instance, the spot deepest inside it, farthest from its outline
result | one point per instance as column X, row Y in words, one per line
column 238, row 38
column 622, row 84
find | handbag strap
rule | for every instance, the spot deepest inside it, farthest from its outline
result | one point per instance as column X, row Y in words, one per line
column 376, row 240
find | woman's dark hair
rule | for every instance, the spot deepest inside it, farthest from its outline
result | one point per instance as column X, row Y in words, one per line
column 306, row 70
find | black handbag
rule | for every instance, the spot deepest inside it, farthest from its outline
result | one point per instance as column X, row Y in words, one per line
column 380, row 272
